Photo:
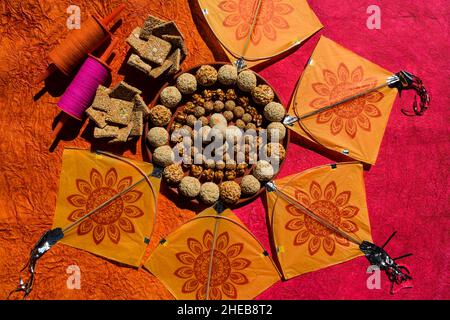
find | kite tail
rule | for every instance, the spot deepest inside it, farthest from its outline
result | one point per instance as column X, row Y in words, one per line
column 48, row 240
column 397, row 274
column 409, row 81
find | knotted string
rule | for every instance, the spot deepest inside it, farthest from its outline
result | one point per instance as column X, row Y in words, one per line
column 409, row 81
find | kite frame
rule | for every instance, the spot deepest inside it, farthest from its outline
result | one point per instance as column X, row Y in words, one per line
column 272, row 215
column 242, row 56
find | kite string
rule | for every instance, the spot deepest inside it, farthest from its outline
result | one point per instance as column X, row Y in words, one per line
column 211, row 257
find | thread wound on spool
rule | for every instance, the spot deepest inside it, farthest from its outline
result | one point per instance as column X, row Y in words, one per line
column 73, row 50
column 81, row 91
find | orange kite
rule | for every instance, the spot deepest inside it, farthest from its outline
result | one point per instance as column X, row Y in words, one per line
column 319, row 218
column 343, row 101
column 257, row 30
column 106, row 205
column 213, row 257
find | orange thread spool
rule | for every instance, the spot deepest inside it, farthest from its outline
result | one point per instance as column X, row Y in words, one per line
column 79, row 43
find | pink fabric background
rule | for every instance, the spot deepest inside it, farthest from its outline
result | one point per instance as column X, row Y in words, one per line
column 408, row 189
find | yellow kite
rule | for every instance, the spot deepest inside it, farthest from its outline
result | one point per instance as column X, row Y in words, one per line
column 257, row 30
column 213, row 257
column 343, row 101
column 106, row 205
column 319, row 218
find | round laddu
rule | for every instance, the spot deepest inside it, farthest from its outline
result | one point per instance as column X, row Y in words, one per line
column 187, row 83
column 274, row 112
column 275, row 150
column 160, row 116
column 163, row 156
column 250, row 185
column 218, row 106
column 190, row 187
column 263, row 94
column 230, row 192
column 263, row 171
column 238, row 112
column 230, row 105
column 206, row 75
column 229, row 115
column 227, row 75
column 217, row 119
column 170, row 97
column 209, row 193
column 246, row 81
column 173, row 174
column 157, row 137
column 276, row 130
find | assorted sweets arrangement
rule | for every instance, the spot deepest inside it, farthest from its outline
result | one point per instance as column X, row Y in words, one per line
column 228, row 109
column 217, row 134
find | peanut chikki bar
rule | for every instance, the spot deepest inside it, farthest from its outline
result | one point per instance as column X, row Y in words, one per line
column 99, row 117
column 106, row 132
column 140, row 105
column 101, row 100
column 156, row 50
column 175, row 58
column 149, row 24
column 124, row 91
column 156, row 72
column 137, row 122
column 176, row 42
column 120, row 112
column 169, row 28
column 136, row 62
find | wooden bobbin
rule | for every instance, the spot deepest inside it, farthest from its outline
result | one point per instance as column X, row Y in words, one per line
column 73, row 50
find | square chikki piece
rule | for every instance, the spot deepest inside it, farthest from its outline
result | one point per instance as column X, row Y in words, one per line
column 124, row 91
column 168, row 28
column 123, row 134
column 140, row 105
column 150, row 23
column 106, row 132
column 136, row 62
column 157, row 72
column 136, row 42
column 156, row 50
column 176, row 42
column 137, row 122
column 101, row 100
column 175, row 58
column 99, row 117
column 120, row 112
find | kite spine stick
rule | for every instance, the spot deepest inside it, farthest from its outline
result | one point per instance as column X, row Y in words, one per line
column 240, row 63
column 336, row 104
column 389, row 82
column 211, row 257
column 104, row 204
column 314, row 216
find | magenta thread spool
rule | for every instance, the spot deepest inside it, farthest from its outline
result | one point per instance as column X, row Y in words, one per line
column 81, row 91
column 79, row 94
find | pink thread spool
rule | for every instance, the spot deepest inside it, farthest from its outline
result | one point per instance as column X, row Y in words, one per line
column 81, row 91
